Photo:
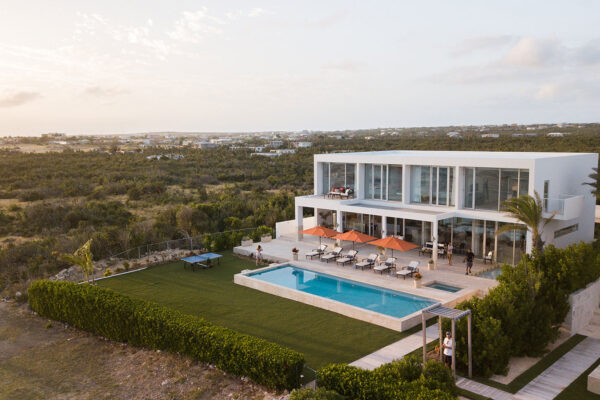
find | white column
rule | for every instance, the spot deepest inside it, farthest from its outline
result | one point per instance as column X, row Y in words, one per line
column 405, row 184
column 457, row 188
column 299, row 222
column 528, row 242
column 384, row 232
column 434, row 252
column 340, row 221
column 359, row 179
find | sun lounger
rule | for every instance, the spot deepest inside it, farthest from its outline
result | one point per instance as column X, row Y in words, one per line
column 385, row 266
column 348, row 258
column 316, row 252
column 332, row 255
column 368, row 262
column 409, row 270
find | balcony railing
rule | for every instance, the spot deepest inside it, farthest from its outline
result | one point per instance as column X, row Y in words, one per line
column 564, row 206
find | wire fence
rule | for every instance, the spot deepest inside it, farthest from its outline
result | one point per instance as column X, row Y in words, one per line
column 190, row 243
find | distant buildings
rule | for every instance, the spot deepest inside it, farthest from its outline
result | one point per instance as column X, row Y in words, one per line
column 207, row 145
column 162, row 156
column 274, row 153
column 276, row 143
column 454, row 135
column 490, row 135
column 303, row 144
column 555, row 134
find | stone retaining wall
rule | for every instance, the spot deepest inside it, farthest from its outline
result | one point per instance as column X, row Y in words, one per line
column 584, row 303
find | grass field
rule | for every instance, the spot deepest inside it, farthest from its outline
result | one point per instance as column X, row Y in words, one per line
column 324, row 337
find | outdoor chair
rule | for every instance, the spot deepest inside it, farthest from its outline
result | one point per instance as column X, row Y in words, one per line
column 348, row 258
column 409, row 270
column 368, row 262
column 385, row 266
column 489, row 257
column 347, row 194
column 332, row 255
column 316, row 252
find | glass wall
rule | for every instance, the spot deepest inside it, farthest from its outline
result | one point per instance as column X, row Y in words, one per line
column 413, row 231
column 490, row 239
column 376, row 176
column 468, row 192
column 430, row 185
column 326, row 218
column 394, row 183
column 504, row 252
column 364, row 223
column 338, row 175
column 487, row 188
column 462, row 235
column 395, row 226
column 445, row 231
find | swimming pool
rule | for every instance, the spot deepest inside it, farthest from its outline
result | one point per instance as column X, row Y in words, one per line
column 444, row 287
column 373, row 298
column 493, row 273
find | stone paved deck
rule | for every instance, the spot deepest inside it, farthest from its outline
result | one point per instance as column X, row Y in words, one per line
column 397, row 350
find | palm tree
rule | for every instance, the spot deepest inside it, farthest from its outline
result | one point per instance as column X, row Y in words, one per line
column 528, row 210
column 594, row 183
column 83, row 258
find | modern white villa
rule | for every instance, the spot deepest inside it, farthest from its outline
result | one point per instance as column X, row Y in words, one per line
column 450, row 196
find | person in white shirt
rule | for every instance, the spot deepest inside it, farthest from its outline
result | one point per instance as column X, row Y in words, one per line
column 447, row 346
column 259, row 254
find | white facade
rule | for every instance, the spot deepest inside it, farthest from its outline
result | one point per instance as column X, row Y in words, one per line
column 452, row 196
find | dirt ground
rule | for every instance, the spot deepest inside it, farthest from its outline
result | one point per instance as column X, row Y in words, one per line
column 43, row 359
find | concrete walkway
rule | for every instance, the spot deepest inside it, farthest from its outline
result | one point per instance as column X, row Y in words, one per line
column 397, row 350
column 549, row 383
column 562, row 373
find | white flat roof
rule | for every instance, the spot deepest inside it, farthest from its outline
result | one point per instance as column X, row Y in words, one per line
column 499, row 155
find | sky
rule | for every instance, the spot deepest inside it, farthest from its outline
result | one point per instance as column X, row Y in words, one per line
column 99, row 67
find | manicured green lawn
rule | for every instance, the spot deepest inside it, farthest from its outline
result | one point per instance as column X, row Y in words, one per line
column 324, row 337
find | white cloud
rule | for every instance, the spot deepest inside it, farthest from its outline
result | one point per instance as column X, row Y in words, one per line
column 257, row 12
column 547, row 91
column 482, row 43
column 193, row 26
column 328, row 20
column 534, row 52
column 102, row 91
column 18, row 98
column 346, row 66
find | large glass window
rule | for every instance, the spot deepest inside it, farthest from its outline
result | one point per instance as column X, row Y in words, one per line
column 368, row 181
column 413, row 231
column 462, row 235
column 486, row 188
column 338, row 175
column 468, row 192
column 377, row 182
column 509, row 184
column 325, row 181
column 442, row 186
column 523, row 182
column 376, row 177
column 395, row 183
column 505, row 246
column 430, row 185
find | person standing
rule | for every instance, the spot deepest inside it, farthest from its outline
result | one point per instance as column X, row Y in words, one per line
column 449, row 250
column 470, row 256
column 258, row 254
column 448, row 346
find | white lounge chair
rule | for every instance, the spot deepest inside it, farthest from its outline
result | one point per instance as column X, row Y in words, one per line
column 490, row 257
column 332, row 255
column 348, row 258
column 409, row 270
column 368, row 262
column 316, row 252
column 385, row 266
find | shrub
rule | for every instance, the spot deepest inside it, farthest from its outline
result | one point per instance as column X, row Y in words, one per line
column 126, row 265
column 108, row 272
column 402, row 379
column 315, row 394
column 141, row 323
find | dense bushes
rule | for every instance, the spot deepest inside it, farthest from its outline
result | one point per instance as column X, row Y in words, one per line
column 401, row 379
column 141, row 323
column 522, row 314
column 315, row 394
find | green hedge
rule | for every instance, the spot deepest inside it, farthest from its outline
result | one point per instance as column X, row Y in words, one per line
column 141, row 323
column 403, row 379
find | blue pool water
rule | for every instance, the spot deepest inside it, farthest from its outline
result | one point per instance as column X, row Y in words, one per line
column 493, row 273
column 384, row 301
column 444, row 287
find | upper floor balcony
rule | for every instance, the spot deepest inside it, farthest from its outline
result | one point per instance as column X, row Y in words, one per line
column 564, row 207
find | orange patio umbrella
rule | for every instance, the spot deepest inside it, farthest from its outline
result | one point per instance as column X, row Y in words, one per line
column 394, row 243
column 354, row 236
column 320, row 231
